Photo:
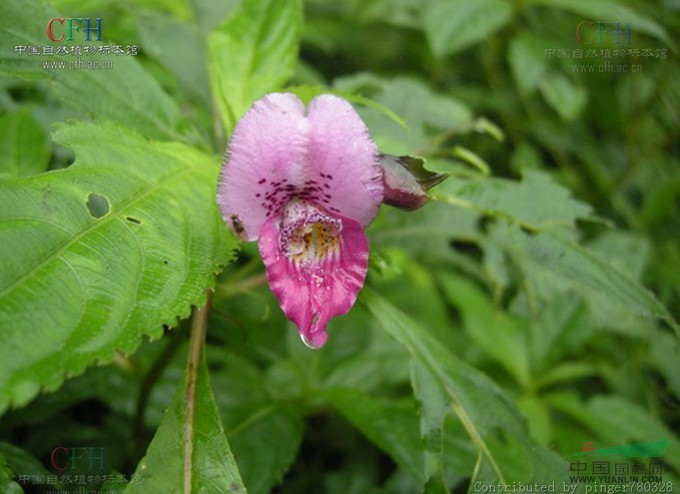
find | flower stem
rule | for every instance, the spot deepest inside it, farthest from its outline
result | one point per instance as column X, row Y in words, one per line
column 199, row 324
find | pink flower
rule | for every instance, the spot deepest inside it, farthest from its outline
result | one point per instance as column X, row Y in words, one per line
column 305, row 183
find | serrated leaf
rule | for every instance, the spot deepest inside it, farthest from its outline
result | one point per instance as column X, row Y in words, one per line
column 536, row 202
column 553, row 263
column 23, row 465
column 253, row 52
column 24, row 145
column 82, row 284
column 213, row 467
column 626, row 251
column 442, row 384
column 7, row 485
column 453, row 25
column 124, row 93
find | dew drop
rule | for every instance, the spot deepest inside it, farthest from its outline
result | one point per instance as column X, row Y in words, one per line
column 308, row 343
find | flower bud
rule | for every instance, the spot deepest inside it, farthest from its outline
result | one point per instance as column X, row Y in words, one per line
column 406, row 181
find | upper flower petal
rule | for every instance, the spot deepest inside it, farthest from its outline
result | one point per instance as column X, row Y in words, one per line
column 316, row 264
column 346, row 158
column 277, row 153
column 268, row 143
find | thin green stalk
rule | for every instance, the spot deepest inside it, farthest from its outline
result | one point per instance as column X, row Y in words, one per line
column 199, row 325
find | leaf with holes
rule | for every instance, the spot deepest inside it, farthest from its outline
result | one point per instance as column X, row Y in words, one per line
column 103, row 252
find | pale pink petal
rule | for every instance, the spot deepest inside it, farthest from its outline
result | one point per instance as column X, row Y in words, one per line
column 268, row 144
column 345, row 159
column 277, row 154
column 313, row 288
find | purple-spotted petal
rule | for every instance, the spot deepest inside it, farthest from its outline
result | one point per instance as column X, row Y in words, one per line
column 316, row 264
column 345, row 158
column 278, row 153
column 268, row 144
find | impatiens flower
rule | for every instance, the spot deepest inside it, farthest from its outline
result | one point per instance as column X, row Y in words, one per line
column 304, row 183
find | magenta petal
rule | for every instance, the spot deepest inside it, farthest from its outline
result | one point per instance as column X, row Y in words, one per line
column 310, row 294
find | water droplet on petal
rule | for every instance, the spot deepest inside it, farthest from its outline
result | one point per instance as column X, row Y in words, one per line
column 308, row 343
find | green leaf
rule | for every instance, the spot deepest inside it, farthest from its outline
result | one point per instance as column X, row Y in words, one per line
column 252, row 418
column 7, row 485
column 415, row 103
column 124, row 93
column 525, row 55
column 393, row 428
column 211, row 13
column 624, row 250
column 308, row 93
column 517, row 201
column 162, row 34
column 443, row 383
column 253, row 52
column 213, row 467
column 500, row 335
column 619, row 421
column 567, row 98
column 538, row 417
column 22, row 464
column 24, row 145
column 262, row 460
column 609, row 10
column 552, row 263
column 453, row 25
column 664, row 355
column 103, row 252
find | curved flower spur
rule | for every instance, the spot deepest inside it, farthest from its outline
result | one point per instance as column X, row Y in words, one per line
column 305, row 183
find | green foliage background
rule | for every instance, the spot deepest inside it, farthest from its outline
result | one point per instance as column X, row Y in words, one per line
column 530, row 308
